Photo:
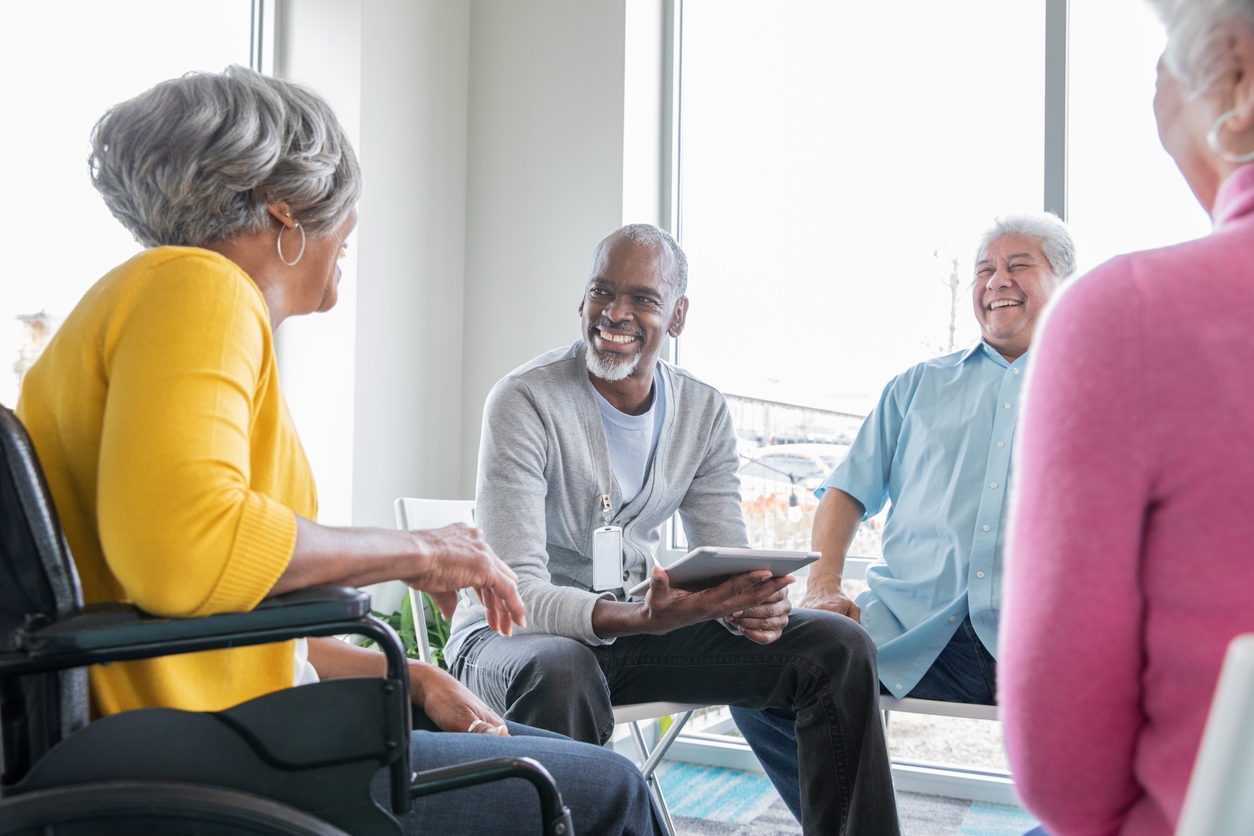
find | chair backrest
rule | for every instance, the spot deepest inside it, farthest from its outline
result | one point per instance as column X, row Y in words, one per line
column 413, row 514
column 38, row 584
column 1219, row 801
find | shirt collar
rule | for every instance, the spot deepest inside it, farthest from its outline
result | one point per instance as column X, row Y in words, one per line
column 970, row 352
column 993, row 354
column 1235, row 198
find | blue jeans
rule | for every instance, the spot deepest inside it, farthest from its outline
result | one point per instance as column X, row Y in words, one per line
column 604, row 791
column 822, row 667
column 964, row 672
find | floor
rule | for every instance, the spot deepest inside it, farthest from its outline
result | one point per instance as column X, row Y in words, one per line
column 708, row 801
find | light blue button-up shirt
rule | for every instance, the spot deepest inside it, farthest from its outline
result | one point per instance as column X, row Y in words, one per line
column 938, row 447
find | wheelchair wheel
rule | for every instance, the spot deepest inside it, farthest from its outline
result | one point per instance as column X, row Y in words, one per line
column 153, row 808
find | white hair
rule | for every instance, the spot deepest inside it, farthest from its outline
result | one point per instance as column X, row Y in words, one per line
column 1043, row 227
column 196, row 159
column 650, row 235
column 607, row 369
column 1196, row 30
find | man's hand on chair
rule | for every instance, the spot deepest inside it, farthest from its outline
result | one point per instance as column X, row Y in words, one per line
column 824, row 594
column 457, row 557
column 450, row 705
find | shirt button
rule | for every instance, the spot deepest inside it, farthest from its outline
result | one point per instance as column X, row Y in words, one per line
column 1006, row 405
column 993, row 485
column 1016, row 371
column 898, row 686
column 986, row 528
column 1001, row 444
column 952, row 619
column 626, row 575
column 979, row 574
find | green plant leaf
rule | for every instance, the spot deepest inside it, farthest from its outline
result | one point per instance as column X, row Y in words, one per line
column 403, row 623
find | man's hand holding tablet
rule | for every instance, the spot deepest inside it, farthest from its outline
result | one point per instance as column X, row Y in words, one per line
column 708, row 566
column 754, row 602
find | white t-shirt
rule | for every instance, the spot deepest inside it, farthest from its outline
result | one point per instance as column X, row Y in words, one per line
column 632, row 439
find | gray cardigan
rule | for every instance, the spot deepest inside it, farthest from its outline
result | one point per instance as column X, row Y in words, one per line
column 543, row 465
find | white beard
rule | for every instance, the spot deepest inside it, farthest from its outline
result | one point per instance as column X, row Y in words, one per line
column 610, row 370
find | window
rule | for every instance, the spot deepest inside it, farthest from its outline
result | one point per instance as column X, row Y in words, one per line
column 62, row 66
column 839, row 163
column 1125, row 191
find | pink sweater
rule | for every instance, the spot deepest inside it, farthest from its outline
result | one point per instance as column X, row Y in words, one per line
column 1130, row 563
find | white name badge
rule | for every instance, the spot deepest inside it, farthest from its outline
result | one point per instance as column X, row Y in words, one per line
column 607, row 558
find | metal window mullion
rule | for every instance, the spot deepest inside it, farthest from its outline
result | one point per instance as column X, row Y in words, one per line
column 1057, row 16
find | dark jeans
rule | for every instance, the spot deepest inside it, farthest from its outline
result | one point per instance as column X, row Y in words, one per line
column 604, row 791
column 822, row 668
column 964, row 672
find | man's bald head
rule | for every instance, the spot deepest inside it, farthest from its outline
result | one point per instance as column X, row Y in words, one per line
column 674, row 262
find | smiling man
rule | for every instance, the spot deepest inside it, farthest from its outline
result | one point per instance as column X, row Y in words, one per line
column 938, row 447
column 604, row 435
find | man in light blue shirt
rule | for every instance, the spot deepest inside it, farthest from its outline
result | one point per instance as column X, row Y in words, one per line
column 937, row 450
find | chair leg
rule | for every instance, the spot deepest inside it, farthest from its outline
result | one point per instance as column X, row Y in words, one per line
column 655, row 786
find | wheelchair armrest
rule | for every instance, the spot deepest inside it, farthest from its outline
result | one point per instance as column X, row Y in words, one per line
column 116, row 632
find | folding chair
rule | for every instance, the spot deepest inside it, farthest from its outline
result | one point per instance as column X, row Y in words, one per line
column 296, row 762
column 911, row 705
column 1219, row 801
column 412, row 514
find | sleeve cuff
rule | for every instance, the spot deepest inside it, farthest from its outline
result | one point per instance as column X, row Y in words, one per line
column 263, row 547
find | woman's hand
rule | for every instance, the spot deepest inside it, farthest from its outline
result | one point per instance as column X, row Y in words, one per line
column 450, row 705
column 457, row 557
column 438, row 561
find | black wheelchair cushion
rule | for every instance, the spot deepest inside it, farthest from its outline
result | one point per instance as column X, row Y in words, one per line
column 149, row 808
column 314, row 748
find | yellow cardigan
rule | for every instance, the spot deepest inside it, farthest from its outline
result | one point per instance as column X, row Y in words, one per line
column 175, row 467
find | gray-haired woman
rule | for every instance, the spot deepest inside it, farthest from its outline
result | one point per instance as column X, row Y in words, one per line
column 1128, row 565
column 180, row 480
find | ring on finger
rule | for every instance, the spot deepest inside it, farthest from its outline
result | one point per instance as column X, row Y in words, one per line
column 476, row 724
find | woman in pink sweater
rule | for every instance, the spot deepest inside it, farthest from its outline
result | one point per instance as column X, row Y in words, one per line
column 1131, row 559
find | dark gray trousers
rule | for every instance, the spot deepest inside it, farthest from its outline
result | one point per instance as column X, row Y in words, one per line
column 822, row 667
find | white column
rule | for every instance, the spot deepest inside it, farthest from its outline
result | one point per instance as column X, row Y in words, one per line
column 408, row 394
column 544, row 181
column 318, row 44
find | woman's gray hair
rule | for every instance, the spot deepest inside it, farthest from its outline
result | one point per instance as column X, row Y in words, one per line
column 1195, row 32
column 652, row 236
column 195, row 159
column 1043, row 227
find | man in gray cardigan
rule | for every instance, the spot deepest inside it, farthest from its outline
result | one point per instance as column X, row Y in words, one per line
column 604, row 432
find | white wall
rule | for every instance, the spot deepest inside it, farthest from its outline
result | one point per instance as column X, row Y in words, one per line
column 544, row 181
column 500, row 141
column 318, row 43
column 407, row 431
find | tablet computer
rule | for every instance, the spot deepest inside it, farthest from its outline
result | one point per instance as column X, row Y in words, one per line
column 711, row 565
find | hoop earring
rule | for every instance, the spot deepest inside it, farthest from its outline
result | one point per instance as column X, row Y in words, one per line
column 279, row 246
column 1212, row 139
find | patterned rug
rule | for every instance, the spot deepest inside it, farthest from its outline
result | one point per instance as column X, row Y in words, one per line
column 707, row 801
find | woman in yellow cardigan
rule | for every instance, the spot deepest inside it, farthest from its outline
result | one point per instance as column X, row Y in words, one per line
column 178, row 475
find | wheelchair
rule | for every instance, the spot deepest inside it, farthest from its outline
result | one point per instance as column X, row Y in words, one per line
column 259, row 768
